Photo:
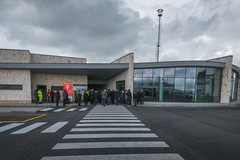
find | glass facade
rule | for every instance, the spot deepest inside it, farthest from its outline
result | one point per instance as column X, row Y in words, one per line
column 179, row 84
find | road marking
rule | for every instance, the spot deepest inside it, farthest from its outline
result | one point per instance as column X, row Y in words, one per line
column 118, row 135
column 107, row 129
column 29, row 128
column 109, row 118
column 72, row 109
column 109, row 124
column 90, row 121
column 107, row 113
column 59, row 110
column 83, row 109
column 110, row 115
column 47, row 109
column 110, row 145
column 54, row 128
column 10, row 126
column 156, row 156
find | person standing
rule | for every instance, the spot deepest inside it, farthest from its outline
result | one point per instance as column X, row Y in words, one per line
column 52, row 96
column 104, row 97
column 79, row 98
column 48, row 95
column 57, row 97
column 36, row 96
column 40, row 96
column 129, row 97
column 64, row 94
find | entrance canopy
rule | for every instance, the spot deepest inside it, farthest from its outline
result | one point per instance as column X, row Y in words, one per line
column 94, row 71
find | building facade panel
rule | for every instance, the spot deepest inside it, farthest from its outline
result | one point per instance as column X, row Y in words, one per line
column 52, row 81
column 14, row 56
column 9, row 93
column 38, row 58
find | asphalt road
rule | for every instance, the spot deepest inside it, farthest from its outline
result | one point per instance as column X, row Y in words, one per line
column 117, row 132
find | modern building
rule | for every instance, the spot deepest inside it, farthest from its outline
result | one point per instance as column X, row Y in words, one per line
column 215, row 80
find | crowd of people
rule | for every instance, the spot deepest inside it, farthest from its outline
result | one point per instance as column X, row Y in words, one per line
column 93, row 97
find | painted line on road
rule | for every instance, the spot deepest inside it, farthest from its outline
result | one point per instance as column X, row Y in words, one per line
column 47, row 109
column 156, row 156
column 110, row 115
column 90, row 121
column 29, row 128
column 118, row 135
column 59, row 110
column 107, row 113
column 109, row 118
column 108, row 124
column 54, row 128
column 110, row 129
column 83, row 109
column 110, row 145
column 72, row 109
column 34, row 116
column 10, row 126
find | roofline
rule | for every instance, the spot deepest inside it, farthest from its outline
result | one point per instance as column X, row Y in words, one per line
column 180, row 64
column 57, row 56
column 63, row 65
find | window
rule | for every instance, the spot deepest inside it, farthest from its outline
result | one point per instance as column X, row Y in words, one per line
column 147, row 72
column 158, row 72
column 137, row 72
column 191, row 72
column 54, row 88
column 10, row 87
column 180, row 72
column 168, row 72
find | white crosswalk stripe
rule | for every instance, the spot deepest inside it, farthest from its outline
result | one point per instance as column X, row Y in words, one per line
column 71, row 109
column 10, row 126
column 104, row 128
column 83, row 109
column 54, row 128
column 29, row 128
column 47, row 109
column 59, row 110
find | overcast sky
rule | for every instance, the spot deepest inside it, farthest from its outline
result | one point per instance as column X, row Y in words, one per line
column 104, row 30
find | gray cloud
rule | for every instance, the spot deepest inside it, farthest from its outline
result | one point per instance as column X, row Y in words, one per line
column 103, row 30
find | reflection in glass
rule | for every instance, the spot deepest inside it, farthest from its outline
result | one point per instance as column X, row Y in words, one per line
column 168, row 72
column 137, row 72
column 158, row 72
column 201, row 73
column 147, row 72
column 180, row 72
column 191, row 72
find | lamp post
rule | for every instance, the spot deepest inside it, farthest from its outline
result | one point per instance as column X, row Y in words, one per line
column 160, row 12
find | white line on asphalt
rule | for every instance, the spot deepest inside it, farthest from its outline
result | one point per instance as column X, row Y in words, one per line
column 107, row 113
column 9, row 126
column 47, row 109
column 107, row 129
column 54, row 128
column 59, row 110
column 156, row 156
column 72, row 109
column 83, row 109
column 110, row 115
column 109, row 118
column 108, row 124
column 90, row 121
column 118, row 135
column 29, row 128
column 91, row 145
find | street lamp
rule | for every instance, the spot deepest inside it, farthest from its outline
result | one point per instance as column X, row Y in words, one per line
column 160, row 12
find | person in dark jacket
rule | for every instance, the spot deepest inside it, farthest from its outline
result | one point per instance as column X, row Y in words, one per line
column 52, row 96
column 129, row 97
column 79, row 98
column 65, row 97
column 57, row 97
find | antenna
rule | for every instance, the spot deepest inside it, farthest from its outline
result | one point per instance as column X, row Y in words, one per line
column 160, row 11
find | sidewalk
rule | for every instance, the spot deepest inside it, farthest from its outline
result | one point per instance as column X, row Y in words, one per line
column 30, row 107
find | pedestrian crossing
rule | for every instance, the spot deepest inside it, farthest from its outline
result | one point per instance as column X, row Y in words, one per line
column 56, row 110
column 110, row 130
column 27, row 128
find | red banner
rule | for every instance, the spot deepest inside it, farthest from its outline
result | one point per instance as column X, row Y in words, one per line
column 68, row 87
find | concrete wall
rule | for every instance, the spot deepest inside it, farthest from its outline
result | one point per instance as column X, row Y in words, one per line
column 55, row 80
column 14, row 56
column 226, row 78
column 126, row 75
column 17, row 77
column 37, row 58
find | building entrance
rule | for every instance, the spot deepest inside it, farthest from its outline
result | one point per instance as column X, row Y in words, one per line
column 44, row 91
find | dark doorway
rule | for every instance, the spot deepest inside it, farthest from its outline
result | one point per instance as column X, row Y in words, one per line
column 120, row 85
column 44, row 91
column 96, row 86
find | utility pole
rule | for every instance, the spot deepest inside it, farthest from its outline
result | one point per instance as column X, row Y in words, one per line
column 160, row 11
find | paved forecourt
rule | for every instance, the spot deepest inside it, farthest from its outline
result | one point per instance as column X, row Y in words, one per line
column 114, row 133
